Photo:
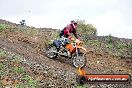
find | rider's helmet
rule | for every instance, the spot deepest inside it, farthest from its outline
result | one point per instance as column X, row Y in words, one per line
column 74, row 23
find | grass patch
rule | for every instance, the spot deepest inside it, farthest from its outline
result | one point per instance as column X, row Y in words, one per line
column 109, row 39
column 2, row 27
column 1, row 66
column 121, row 45
column 18, row 70
column 94, row 42
column 30, row 81
column 110, row 46
column 3, row 69
column 2, row 53
column 129, row 46
column 20, row 85
column 81, row 86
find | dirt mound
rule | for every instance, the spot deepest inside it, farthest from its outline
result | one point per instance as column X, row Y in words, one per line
column 96, row 64
column 59, row 73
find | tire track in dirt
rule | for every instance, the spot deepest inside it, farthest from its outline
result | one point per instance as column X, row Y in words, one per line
column 54, row 69
column 96, row 63
column 55, row 64
column 30, row 55
column 59, row 63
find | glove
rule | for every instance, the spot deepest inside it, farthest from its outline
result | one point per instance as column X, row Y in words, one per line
column 72, row 39
column 79, row 39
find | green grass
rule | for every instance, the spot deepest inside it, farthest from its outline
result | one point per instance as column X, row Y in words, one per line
column 1, row 66
column 81, row 86
column 2, row 27
column 20, row 85
column 129, row 46
column 30, row 81
column 110, row 46
column 109, row 39
column 2, row 53
column 18, row 70
column 93, row 42
column 121, row 45
column 3, row 69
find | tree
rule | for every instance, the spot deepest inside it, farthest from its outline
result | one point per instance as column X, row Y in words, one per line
column 22, row 22
column 86, row 29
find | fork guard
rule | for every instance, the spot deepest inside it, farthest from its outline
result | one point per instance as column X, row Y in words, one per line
column 82, row 48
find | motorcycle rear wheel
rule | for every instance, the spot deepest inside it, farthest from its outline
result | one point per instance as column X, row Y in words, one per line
column 51, row 51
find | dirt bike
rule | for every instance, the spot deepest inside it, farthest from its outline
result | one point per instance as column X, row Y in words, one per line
column 71, row 50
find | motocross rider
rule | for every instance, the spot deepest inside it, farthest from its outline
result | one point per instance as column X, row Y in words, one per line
column 70, row 28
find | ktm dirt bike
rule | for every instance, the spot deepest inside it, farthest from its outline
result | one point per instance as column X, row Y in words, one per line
column 73, row 50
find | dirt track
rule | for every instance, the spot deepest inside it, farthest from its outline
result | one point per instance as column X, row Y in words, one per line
column 97, row 63
column 33, row 56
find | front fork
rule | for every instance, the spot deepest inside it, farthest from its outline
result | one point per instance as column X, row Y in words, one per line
column 77, row 51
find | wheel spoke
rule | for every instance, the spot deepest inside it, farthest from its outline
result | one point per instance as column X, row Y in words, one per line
column 51, row 51
column 79, row 61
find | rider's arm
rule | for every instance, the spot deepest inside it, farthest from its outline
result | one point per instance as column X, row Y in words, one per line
column 75, row 34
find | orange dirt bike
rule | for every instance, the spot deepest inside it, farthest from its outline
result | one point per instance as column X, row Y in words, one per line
column 72, row 50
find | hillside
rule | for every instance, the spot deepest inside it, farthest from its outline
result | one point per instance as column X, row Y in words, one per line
column 24, row 65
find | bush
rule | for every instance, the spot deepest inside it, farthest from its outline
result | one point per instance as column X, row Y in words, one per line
column 110, row 46
column 109, row 39
column 86, row 29
column 2, row 27
column 121, row 45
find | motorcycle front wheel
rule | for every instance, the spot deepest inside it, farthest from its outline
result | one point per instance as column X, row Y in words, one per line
column 79, row 61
